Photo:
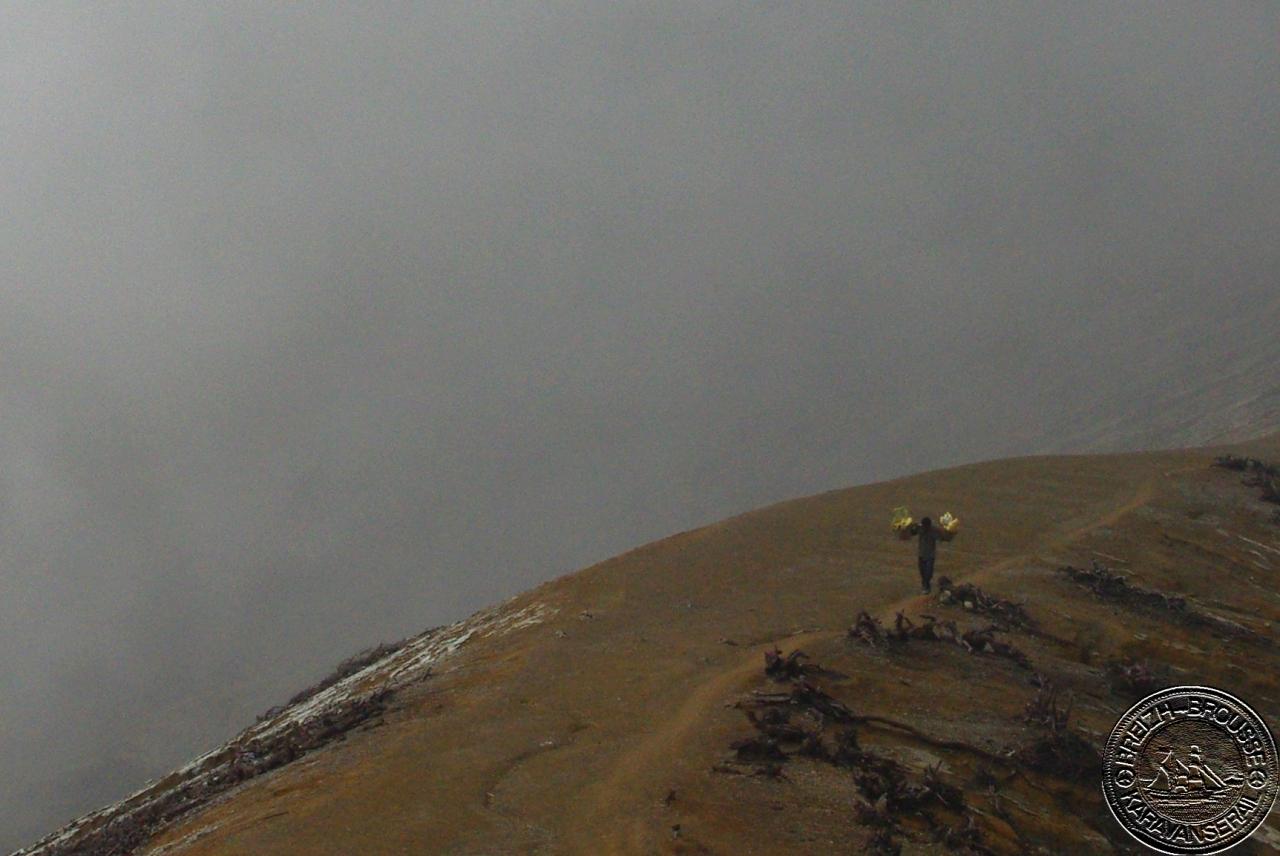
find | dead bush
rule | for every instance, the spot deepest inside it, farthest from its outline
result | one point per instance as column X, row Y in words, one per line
column 344, row 670
column 1059, row 750
column 808, row 722
column 1257, row 474
column 1005, row 613
column 791, row 666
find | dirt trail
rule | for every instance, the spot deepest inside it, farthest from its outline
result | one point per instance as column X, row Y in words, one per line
column 661, row 748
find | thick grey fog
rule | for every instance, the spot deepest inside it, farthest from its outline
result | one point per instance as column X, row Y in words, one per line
column 325, row 325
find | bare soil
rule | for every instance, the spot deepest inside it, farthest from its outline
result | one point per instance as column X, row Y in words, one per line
column 610, row 726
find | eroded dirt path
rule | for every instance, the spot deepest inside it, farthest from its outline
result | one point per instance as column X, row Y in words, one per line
column 572, row 736
column 660, row 749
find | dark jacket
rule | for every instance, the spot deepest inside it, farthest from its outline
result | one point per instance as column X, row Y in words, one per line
column 928, row 539
column 928, row 542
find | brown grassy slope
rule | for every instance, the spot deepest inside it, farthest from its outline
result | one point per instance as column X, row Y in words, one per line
column 569, row 735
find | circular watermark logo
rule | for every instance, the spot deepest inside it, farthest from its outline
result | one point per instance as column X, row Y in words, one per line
column 1190, row 770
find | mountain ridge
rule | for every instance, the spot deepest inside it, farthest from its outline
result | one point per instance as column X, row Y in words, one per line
column 527, row 752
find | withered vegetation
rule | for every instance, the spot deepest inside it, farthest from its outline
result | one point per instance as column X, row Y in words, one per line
column 1006, row 614
column 869, row 631
column 346, row 669
column 1109, row 585
column 805, row 721
column 791, row 666
column 1059, row 750
column 1259, row 474
column 1115, row 587
column 143, row 815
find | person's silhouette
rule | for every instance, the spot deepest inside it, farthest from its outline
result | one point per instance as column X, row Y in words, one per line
column 928, row 537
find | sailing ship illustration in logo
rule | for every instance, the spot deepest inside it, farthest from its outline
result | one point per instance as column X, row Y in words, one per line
column 1178, row 782
column 1190, row 770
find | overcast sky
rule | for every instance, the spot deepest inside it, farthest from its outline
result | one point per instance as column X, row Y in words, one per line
column 325, row 324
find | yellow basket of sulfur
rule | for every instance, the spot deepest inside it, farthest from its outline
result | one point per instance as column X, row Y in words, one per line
column 949, row 522
column 901, row 520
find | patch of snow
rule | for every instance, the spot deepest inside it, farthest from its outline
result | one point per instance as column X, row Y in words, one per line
column 411, row 662
column 401, row 667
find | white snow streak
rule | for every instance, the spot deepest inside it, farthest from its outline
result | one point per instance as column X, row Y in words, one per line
column 410, row 663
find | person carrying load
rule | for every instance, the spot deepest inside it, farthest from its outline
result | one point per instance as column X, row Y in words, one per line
column 928, row 535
